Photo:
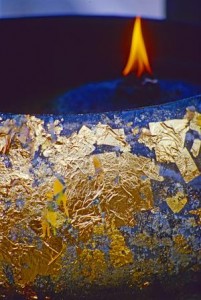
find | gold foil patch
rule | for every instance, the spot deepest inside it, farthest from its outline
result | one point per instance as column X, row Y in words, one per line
column 87, row 135
column 167, row 139
column 105, row 135
column 195, row 149
column 197, row 212
column 135, row 130
column 195, row 124
column 42, row 214
column 177, row 202
column 181, row 244
column 186, row 165
column 170, row 138
column 92, row 264
column 120, row 254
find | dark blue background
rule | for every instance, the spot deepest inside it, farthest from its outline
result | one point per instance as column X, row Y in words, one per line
column 41, row 58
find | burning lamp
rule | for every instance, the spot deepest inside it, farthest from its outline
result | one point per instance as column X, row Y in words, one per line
column 93, row 202
column 137, row 87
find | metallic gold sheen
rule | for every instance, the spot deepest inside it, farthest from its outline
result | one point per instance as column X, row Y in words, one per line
column 177, row 202
column 66, row 200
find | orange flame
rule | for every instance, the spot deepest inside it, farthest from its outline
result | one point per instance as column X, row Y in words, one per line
column 138, row 60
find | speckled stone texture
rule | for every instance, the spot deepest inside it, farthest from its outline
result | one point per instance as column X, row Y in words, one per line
column 103, row 206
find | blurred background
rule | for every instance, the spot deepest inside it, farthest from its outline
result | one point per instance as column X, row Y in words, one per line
column 50, row 46
column 183, row 10
column 21, row 8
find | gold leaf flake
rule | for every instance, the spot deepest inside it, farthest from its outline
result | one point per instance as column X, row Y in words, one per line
column 135, row 130
column 147, row 139
column 171, row 137
column 97, row 165
column 195, row 149
column 55, row 127
column 195, row 124
column 197, row 212
column 181, row 245
column 29, row 262
column 38, row 134
column 177, row 202
column 120, row 254
column 92, row 264
column 143, row 165
column 186, row 165
column 167, row 138
column 87, row 135
column 105, row 135
column 60, row 196
column 170, row 128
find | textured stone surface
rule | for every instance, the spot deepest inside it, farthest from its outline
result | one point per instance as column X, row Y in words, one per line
column 92, row 203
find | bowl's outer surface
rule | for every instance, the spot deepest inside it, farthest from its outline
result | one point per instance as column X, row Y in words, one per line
column 92, row 202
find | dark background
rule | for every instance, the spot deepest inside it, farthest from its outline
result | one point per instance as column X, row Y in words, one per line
column 41, row 58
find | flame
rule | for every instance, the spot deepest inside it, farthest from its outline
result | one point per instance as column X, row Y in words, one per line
column 138, row 60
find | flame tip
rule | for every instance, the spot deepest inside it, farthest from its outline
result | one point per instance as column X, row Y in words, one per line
column 138, row 58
